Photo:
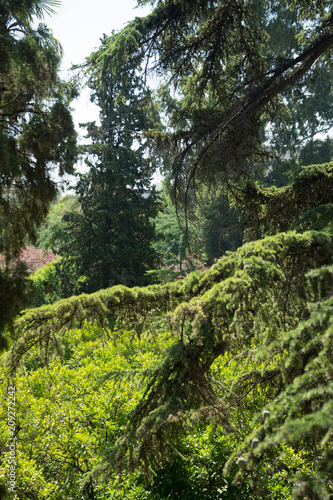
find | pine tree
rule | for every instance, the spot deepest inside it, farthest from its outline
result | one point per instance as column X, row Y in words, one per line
column 110, row 238
column 240, row 78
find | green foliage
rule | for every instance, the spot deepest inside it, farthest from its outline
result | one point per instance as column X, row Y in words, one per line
column 46, row 285
column 109, row 241
column 59, row 442
column 218, row 385
column 14, row 295
column 234, row 75
column 36, row 129
column 52, row 232
column 249, row 312
column 304, row 203
column 70, row 410
column 215, row 224
column 211, row 227
column 170, row 244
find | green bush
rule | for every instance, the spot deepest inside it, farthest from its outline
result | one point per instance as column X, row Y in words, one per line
column 45, row 284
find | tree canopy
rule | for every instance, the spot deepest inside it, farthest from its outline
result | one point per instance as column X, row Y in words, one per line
column 37, row 133
column 233, row 78
column 247, row 344
column 37, row 130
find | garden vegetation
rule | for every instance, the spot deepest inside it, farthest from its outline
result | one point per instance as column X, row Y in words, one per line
column 204, row 385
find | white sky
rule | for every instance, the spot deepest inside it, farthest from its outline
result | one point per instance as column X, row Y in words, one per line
column 79, row 25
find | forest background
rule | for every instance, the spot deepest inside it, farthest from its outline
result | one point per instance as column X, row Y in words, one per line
column 177, row 344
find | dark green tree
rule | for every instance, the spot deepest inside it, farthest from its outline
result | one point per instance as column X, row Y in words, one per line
column 251, row 338
column 237, row 84
column 37, row 133
column 171, row 241
column 51, row 233
column 110, row 238
column 215, row 222
column 204, row 233
column 306, row 106
column 244, row 89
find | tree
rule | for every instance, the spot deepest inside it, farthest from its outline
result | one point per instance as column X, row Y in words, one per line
column 251, row 338
column 242, row 86
column 51, row 233
column 243, row 341
column 110, row 238
column 203, row 234
column 232, row 79
column 306, row 106
column 36, row 130
column 170, row 244
column 66, row 417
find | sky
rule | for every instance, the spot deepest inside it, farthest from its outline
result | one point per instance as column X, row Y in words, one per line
column 79, row 25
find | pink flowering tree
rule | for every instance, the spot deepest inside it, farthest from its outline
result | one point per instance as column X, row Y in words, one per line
column 32, row 258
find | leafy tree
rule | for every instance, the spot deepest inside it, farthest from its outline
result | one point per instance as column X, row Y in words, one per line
column 36, row 128
column 62, row 409
column 304, row 204
column 243, row 85
column 171, row 240
column 251, row 338
column 306, row 106
column 69, row 410
column 213, row 223
column 110, row 238
column 202, row 234
column 52, row 232
column 45, row 284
